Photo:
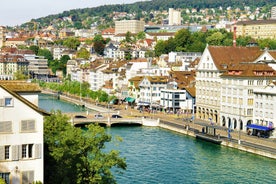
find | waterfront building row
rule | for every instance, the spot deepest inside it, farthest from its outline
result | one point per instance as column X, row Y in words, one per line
column 227, row 81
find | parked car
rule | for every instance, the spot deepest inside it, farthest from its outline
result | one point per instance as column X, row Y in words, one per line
column 116, row 116
column 98, row 116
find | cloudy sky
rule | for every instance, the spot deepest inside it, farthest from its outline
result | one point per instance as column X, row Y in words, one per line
column 16, row 12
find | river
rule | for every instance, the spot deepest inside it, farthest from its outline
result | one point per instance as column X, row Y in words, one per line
column 159, row 156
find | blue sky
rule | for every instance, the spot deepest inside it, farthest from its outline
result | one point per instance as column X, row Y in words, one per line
column 16, row 12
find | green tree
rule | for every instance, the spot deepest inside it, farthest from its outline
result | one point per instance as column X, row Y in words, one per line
column 71, row 42
column 73, row 155
column 141, row 35
column 182, row 40
column 99, row 44
column 34, row 48
column 83, row 53
column 46, row 53
column 160, row 48
column 19, row 75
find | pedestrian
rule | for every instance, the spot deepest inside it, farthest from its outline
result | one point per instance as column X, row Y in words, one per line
column 259, row 134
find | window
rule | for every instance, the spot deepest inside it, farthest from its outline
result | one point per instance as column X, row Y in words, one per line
column 6, row 177
column 8, row 102
column 24, row 151
column 5, row 126
column 27, row 150
column 7, row 152
column 27, row 125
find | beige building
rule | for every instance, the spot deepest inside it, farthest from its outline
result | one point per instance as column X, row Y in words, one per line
column 214, row 62
column 257, row 29
column 10, row 64
column 132, row 26
column 174, row 17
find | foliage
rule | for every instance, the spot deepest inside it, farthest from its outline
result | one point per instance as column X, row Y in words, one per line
column 73, row 155
column 34, row 48
column 2, row 181
column 267, row 43
column 46, row 53
column 102, row 15
column 184, row 41
column 141, row 35
column 83, row 53
column 59, row 64
column 99, row 44
column 19, row 75
column 71, row 42
column 76, row 88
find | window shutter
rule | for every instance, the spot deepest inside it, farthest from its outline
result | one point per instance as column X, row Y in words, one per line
column 6, row 126
column 20, row 152
column 2, row 152
column 15, row 150
column 38, row 151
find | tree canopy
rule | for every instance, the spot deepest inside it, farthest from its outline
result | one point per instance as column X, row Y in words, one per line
column 74, row 155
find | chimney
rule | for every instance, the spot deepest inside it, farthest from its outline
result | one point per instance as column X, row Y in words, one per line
column 234, row 33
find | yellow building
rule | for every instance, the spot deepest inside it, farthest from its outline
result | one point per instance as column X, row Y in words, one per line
column 257, row 29
column 133, row 26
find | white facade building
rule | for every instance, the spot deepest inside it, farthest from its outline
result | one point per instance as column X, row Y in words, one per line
column 174, row 17
column 264, row 113
column 214, row 62
column 21, row 138
column 175, row 100
column 150, row 88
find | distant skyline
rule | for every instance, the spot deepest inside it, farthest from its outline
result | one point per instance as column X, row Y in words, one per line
column 17, row 12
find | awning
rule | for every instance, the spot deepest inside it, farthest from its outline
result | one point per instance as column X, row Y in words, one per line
column 130, row 100
column 259, row 127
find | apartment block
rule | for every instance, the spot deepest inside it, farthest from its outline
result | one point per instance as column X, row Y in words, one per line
column 257, row 29
column 132, row 26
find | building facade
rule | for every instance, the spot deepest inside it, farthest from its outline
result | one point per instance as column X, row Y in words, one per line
column 265, row 106
column 132, row 26
column 257, row 29
column 12, row 63
column 237, row 93
column 174, row 17
column 21, row 136
column 150, row 89
column 214, row 62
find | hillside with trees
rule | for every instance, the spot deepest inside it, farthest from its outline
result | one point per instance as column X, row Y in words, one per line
column 84, row 18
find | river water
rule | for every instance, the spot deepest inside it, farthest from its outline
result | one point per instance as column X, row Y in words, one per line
column 159, row 156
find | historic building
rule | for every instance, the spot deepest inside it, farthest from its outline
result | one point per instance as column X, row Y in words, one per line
column 21, row 133
column 214, row 62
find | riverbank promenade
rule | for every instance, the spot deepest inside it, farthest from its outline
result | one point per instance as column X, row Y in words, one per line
column 182, row 124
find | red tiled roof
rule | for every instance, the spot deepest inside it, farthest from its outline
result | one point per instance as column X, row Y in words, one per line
column 108, row 31
column 273, row 54
column 226, row 56
column 258, row 70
